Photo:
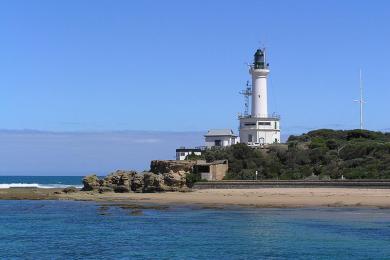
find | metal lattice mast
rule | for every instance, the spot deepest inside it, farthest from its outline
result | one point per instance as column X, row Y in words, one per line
column 247, row 92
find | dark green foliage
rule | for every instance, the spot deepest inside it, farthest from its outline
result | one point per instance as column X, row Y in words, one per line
column 326, row 153
column 191, row 178
column 193, row 156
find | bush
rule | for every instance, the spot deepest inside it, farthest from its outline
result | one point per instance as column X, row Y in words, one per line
column 325, row 153
column 192, row 178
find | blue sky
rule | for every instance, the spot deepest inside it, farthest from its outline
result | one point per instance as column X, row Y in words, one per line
column 102, row 66
column 29, row 152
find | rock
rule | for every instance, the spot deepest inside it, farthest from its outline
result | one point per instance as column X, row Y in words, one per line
column 91, row 182
column 153, row 182
column 119, row 179
column 164, row 166
column 176, row 179
column 104, row 189
column 137, row 183
column 122, row 189
column 131, row 181
column 70, row 189
column 136, row 212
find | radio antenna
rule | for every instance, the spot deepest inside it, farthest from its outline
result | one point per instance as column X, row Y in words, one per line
column 247, row 92
column 361, row 100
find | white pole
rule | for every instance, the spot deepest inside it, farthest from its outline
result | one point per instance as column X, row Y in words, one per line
column 361, row 100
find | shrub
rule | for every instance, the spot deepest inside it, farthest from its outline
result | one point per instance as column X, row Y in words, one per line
column 323, row 152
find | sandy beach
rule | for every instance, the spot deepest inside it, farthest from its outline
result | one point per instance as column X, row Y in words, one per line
column 267, row 197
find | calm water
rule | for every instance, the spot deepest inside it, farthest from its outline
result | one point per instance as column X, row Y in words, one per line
column 87, row 230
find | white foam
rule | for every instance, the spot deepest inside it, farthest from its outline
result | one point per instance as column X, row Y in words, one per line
column 35, row 185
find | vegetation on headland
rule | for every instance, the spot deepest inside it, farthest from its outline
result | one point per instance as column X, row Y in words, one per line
column 323, row 154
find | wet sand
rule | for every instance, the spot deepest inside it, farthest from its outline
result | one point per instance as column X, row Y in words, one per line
column 267, row 197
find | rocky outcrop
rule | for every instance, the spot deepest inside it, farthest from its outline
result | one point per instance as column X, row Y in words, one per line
column 122, row 189
column 103, row 189
column 119, row 181
column 153, row 182
column 131, row 181
column 138, row 183
column 165, row 166
column 175, row 179
column 91, row 182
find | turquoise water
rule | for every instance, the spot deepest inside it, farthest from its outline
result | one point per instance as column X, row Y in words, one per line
column 87, row 230
column 40, row 181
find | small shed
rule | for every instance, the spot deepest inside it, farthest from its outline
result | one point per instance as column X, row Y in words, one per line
column 212, row 171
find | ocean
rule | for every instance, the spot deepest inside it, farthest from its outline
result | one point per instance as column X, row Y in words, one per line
column 40, row 181
column 91, row 230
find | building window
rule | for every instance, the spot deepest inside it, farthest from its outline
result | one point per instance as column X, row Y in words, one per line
column 217, row 142
column 264, row 123
column 276, row 125
column 182, row 154
column 276, row 140
column 250, row 138
column 249, row 124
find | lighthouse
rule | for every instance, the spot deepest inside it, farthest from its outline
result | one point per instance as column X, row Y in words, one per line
column 259, row 128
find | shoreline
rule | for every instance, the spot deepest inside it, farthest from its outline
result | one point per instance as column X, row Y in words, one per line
column 221, row 198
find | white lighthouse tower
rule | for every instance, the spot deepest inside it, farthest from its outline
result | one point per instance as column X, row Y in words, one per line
column 259, row 128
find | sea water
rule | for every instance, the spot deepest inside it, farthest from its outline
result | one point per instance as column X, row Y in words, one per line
column 40, row 181
column 91, row 230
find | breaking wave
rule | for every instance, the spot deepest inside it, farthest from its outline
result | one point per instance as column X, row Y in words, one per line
column 35, row 185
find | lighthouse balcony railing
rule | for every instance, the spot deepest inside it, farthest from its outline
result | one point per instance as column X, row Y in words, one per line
column 265, row 117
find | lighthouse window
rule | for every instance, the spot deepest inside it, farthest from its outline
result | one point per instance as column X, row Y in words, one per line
column 276, row 125
column 264, row 123
column 250, row 124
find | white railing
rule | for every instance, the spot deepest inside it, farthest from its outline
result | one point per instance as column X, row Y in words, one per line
column 273, row 116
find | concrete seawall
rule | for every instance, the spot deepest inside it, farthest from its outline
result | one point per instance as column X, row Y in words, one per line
column 381, row 184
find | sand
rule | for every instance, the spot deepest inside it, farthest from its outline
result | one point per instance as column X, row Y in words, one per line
column 266, row 197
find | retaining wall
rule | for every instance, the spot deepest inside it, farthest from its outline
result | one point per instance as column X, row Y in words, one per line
column 384, row 184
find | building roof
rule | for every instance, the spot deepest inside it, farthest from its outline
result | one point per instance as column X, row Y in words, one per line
column 188, row 150
column 217, row 162
column 220, row 132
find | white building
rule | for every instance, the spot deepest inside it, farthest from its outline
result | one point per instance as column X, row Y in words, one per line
column 220, row 138
column 259, row 127
column 182, row 153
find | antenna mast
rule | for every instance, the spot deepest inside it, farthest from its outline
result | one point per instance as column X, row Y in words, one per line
column 361, row 100
column 247, row 92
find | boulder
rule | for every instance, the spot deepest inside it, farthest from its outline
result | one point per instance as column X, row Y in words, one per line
column 70, row 189
column 122, row 189
column 137, row 183
column 104, row 189
column 119, row 181
column 175, row 179
column 152, row 182
column 119, row 177
column 91, row 182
